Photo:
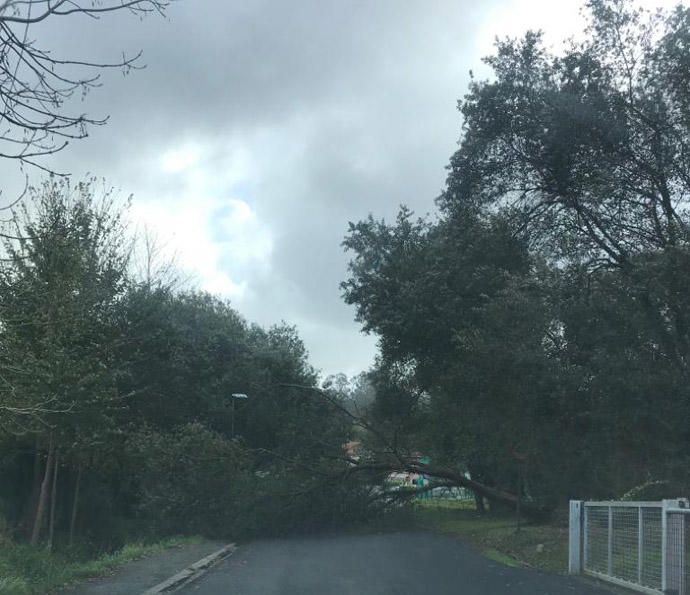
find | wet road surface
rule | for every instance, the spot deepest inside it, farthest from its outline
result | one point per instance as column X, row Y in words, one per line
column 387, row 564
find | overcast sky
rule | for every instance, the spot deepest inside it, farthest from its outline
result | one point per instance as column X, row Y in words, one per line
column 260, row 128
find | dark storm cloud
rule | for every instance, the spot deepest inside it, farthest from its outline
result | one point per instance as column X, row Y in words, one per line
column 312, row 113
column 216, row 65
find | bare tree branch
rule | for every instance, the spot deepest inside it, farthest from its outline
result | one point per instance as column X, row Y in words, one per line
column 36, row 86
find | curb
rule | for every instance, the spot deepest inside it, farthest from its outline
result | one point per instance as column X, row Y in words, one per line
column 191, row 573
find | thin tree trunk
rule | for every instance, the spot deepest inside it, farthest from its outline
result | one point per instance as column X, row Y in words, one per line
column 75, row 504
column 30, row 508
column 43, row 497
column 479, row 503
column 519, row 501
column 53, row 500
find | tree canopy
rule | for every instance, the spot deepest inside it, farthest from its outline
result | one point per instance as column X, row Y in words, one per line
column 540, row 322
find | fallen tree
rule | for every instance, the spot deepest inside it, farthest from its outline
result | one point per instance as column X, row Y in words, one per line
column 386, row 456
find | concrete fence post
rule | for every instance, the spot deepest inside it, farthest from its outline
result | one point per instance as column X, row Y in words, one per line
column 575, row 538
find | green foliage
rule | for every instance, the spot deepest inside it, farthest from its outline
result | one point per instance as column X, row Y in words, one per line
column 187, row 479
column 587, row 153
column 58, row 292
column 462, row 319
column 287, row 502
column 125, row 385
column 415, row 284
column 32, row 570
column 539, row 326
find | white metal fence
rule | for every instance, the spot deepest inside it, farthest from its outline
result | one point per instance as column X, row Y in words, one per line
column 641, row 545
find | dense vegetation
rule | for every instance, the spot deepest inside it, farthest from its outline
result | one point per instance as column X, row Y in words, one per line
column 536, row 332
column 115, row 406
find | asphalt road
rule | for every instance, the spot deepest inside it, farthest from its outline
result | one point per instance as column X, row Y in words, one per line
column 388, row 564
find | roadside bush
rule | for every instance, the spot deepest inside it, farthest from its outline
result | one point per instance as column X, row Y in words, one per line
column 35, row 570
column 14, row 586
column 192, row 480
column 285, row 502
column 188, row 480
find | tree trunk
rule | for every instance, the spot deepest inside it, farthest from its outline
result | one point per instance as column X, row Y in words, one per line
column 519, row 501
column 496, row 496
column 479, row 503
column 43, row 496
column 53, row 500
column 75, row 505
column 29, row 517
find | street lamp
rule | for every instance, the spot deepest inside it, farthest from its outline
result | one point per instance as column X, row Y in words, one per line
column 235, row 396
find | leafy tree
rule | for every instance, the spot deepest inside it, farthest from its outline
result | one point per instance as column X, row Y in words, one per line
column 461, row 325
column 62, row 280
column 540, row 325
column 630, row 399
column 416, row 284
column 115, row 402
column 588, row 152
column 186, row 354
column 192, row 352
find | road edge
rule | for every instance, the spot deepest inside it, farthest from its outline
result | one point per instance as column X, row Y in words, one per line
column 192, row 572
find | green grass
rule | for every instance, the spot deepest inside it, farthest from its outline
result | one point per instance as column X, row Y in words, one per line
column 497, row 556
column 539, row 546
column 27, row 570
column 434, row 503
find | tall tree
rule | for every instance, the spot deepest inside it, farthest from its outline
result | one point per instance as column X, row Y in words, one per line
column 589, row 152
column 544, row 316
column 464, row 370
column 64, row 275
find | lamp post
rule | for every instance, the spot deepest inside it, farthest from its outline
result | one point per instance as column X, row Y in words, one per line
column 235, row 396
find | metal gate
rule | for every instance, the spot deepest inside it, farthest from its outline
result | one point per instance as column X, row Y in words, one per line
column 639, row 545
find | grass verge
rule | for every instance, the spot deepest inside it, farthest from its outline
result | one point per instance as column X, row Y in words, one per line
column 28, row 570
column 538, row 546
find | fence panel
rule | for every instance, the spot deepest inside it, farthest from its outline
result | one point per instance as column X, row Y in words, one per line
column 650, row 574
column 625, row 543
column 641, row 545
column 597, row 538
column 622, row 543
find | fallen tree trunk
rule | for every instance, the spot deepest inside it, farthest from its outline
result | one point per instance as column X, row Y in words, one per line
column 450, row 478
column 392, row 460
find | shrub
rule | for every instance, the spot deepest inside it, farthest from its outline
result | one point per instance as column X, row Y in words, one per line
column 188, row 479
